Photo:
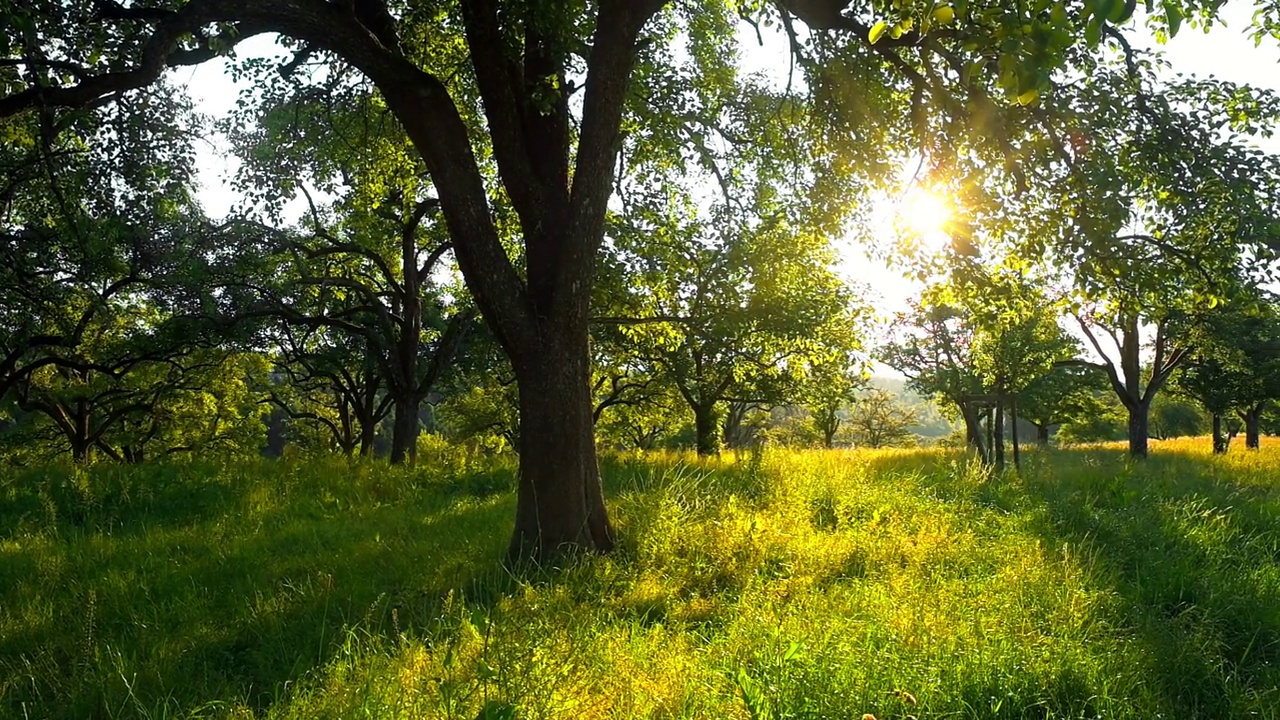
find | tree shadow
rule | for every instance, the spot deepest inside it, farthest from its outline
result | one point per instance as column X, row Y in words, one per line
column 219, row 600
column 1190, row 546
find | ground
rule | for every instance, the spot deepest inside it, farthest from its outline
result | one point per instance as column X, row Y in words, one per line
column 789, row 585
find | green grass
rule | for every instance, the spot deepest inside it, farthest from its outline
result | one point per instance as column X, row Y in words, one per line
column 797, row 585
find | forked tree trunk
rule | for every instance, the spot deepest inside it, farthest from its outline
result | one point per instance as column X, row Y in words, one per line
column 1138, row 428
column 1042, row 434
column 1252, row 426
column 559, row 504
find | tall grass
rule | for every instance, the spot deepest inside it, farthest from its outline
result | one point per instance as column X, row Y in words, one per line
column 782, row 585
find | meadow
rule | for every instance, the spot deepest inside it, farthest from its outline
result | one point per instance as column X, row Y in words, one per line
column 784, row 584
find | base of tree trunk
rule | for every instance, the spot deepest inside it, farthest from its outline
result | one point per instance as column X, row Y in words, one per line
column 560, row 506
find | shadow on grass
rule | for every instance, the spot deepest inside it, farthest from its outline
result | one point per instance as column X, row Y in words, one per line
column 120, row 608
column 1189, row 544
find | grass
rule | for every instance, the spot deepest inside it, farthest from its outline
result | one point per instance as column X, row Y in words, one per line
column 793, row 585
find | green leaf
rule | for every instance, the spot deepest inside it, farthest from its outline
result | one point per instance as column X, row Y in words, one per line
column 1174, row 17
column 1028, row 96
column 877, row 31
column 1093, row 33
column 1122, row 11
column 944, row 15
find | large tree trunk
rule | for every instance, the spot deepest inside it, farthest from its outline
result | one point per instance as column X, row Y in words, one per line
column 80, row 437
column 1138, row 431
column 559, row 503
column 704, row 428
column 404, row 431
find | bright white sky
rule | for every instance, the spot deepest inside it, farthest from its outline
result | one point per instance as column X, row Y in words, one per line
column 1226, row 53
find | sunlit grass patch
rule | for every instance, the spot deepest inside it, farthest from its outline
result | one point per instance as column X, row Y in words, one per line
column 782, row 584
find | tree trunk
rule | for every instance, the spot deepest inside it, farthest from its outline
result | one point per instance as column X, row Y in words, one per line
column 368, row 436
column 829, row 435
column 733, row 424
column 1042, row 434
column 559, row 503
column 1220, row 440
column 81, row 442
column 404, row 432
column 1138, row 432
column 1252, row 426
column 998, row 441
column 704, row 428
column 973, row 429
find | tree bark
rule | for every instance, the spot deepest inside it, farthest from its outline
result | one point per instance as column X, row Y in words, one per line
column 404, row 431
column 1252, row 425
column 1138, row 430
column 973, row 429
column 1220, row 439
column 704, row 426
column 559, row 504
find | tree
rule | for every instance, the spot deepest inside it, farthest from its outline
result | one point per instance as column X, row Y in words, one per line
column 878, row 420
column 1068, row 393
column 986, row 332
column 1235, row 368
column 729, row 316
column 832, row 386
column 1171, row 203
column 932, row 346
column 526, row 62
column 364, row 266
column 331, row 382
column 102, row 255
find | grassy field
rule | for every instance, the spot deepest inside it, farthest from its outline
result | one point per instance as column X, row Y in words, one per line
column 793, row 585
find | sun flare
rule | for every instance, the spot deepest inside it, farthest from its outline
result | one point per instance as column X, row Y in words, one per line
column 924, row 212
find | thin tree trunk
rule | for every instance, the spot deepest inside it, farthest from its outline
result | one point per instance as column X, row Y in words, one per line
column 559, row 502
column 998, row 442
column 733, row 424
column 991, row 435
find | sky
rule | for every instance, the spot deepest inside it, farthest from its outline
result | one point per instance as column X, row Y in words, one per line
column 1226, row 52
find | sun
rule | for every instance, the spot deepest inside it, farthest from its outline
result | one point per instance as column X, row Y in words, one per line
column 924, row 212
